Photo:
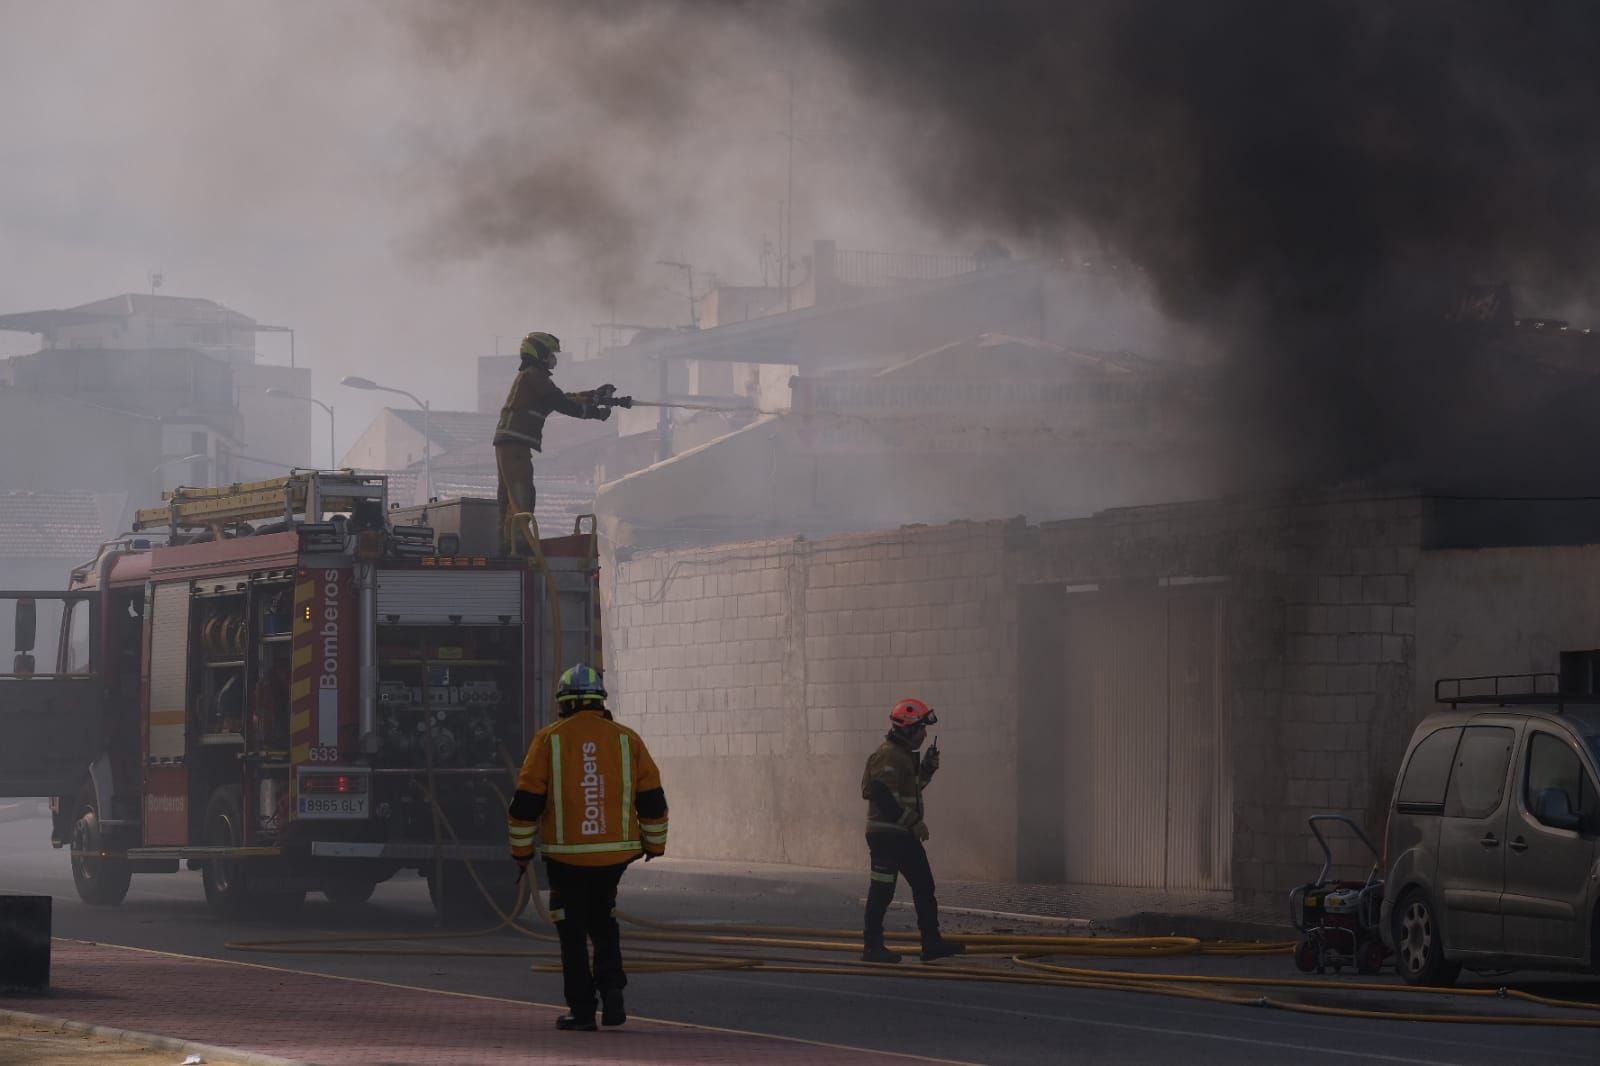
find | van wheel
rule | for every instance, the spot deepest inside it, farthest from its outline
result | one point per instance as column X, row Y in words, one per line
column 1419, row 944
column 100, row 882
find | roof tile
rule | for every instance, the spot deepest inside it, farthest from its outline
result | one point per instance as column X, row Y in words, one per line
column 55, row 525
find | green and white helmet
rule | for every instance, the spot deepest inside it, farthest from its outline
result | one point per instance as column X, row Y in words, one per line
column 541, row 348
column 579, row 685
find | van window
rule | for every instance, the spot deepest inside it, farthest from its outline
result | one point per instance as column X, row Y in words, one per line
column 1428, row 770
column 1552, row 763
column 1479, row 778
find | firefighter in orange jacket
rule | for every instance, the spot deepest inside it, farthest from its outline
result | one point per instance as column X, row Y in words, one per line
column 591, row 790
column 532, row 398
column 892, row 785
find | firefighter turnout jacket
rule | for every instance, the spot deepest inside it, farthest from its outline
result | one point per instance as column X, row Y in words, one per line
column 532, row 397
column 892, row 785
column 591, row 789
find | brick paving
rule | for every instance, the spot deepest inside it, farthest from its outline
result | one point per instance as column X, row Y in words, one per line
column 317, row 1019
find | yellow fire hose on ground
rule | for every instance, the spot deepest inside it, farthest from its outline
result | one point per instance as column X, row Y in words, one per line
column 1025, row 953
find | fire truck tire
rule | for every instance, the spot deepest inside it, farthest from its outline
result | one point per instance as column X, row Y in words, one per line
column 463, row 900
column 349, row 891
column 100, row 882
column 283, row 903
column 227, row 890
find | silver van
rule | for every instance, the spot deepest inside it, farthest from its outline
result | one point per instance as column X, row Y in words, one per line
column 1491, row 845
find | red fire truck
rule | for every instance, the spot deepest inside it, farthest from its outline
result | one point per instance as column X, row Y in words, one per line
column 290, row 690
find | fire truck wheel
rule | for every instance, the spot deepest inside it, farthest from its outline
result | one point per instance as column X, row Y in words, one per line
column 100, row 882
column 224, row 879
column 464, row 902
column 277, row 904
column 348, row 891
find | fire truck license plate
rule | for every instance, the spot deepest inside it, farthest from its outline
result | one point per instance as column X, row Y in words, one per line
column 333, row 806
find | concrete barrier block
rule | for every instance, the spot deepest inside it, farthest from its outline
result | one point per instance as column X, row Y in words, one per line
column 24, row 944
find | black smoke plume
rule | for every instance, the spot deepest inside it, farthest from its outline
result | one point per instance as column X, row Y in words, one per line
column 1312, row 182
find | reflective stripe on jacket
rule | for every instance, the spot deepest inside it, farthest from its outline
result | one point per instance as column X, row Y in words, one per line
column 599, row 792
column 893, row 773
column 532, row 397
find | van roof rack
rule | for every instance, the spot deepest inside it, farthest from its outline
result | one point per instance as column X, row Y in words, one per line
column 1503, row 690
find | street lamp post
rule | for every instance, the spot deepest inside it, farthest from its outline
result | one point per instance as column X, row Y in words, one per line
column 175, row 460
column 427, row 437
column 194, row 457
column 285, row 394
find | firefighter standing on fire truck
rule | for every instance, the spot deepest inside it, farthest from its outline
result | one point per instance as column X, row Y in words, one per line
column 892, row 785
column 591, row 789
column 521, row 427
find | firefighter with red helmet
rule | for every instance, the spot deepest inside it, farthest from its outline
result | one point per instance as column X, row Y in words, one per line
column 892, row 785
column 591, row 790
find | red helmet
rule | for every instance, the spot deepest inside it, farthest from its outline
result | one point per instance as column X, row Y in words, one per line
column 909, row 713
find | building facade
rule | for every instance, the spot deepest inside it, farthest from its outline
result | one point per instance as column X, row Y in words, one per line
column 1153, row 697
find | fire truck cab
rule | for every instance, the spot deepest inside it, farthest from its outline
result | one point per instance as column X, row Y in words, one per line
column 289, row 691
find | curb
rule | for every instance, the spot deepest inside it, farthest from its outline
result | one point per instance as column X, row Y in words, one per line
column 19, row 812
column 1153, row 923
column 1015, row 916
column 149, row 1040
column 670, row 880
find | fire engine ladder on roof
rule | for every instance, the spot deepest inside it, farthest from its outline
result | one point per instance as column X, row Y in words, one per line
column 305, row 496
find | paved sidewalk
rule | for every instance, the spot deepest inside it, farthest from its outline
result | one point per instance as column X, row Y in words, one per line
column 342, row 1022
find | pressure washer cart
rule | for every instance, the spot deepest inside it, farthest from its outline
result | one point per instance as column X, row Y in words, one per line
column 1338, row 920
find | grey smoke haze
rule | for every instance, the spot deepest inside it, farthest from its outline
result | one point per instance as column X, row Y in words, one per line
column 403, row 182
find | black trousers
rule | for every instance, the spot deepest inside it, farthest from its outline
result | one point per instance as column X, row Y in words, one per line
column 581, row 901
column 899, row 855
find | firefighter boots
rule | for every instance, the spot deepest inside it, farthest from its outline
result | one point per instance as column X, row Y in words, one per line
column 572, row 1021
column 879, row 952
column 937, row 947
column 611, row 1011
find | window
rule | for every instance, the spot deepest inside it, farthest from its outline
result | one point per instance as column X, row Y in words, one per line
column 77, row 650
column 1479, row 778
column 1428, row 770
column 1553, row 763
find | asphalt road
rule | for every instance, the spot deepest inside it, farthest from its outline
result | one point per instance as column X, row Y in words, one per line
column 960, row 1021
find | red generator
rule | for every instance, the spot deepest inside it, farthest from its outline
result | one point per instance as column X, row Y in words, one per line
column 1338, row 920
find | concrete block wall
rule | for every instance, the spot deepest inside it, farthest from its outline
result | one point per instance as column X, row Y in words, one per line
column 761, row 675
column 1318, row 639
